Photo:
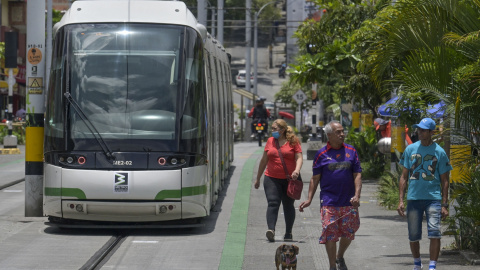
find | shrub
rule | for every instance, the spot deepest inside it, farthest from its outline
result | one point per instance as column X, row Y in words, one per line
column 365, row 142
column 467, row 213
column 18, row 131
column 389, row 187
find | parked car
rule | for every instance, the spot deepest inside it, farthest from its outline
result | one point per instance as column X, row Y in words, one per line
column 269, row 106
column 240, row 78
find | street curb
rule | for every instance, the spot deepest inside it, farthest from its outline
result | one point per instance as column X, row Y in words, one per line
column 472, row 257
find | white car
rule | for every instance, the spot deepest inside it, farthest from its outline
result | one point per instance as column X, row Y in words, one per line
column 269, row 106
column 240, row 78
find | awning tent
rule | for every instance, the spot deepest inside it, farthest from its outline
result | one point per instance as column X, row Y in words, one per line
column 435, row 110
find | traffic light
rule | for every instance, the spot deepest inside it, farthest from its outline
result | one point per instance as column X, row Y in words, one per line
column 11, row 49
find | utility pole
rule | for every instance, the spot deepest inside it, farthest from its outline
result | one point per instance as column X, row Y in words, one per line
column 212, row 32
column 35, row 93
column 255, row 44
column 202, row 12
column 220, row 14
column 248, row 41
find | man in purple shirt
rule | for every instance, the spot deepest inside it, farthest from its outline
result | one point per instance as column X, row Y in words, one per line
column 337, row 168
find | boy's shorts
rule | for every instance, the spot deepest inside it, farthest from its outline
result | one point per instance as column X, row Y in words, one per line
column 338, row 222
column 433, row 213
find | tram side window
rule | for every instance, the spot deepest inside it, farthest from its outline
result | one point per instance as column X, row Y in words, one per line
column 54, row 109
column 193, row 121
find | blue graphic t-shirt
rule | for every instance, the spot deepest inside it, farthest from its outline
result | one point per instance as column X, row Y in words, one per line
column 336, row 167
column 425, row 164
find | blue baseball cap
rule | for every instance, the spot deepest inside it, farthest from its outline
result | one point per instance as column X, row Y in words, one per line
column 426, row 123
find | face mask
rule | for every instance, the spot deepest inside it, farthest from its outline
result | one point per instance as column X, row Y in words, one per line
column 276, row 134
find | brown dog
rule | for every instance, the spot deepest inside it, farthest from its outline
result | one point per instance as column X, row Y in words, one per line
column 286, row 255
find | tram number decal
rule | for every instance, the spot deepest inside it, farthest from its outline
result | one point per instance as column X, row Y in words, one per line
column 123, row 162
column 121, row 184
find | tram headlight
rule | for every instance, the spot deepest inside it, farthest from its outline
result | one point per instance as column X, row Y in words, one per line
column 162, row 161
column 162, row 209
column 70, row 160
column 174, row 161
column 79, row 208
column 81, row 160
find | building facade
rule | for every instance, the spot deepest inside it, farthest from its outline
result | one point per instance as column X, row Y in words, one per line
column 13, row 18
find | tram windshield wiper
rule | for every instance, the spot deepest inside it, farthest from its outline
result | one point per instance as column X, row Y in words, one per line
column 90, row 126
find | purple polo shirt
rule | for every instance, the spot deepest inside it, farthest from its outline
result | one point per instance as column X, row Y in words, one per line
column 336, row 167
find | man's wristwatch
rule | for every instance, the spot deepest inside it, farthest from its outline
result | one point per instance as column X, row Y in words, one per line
column 445, row 205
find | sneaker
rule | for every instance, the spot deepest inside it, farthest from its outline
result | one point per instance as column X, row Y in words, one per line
column 341, row 264
column 252, row 136
column 333, row 268
column 288, row 237
column 418, row 267
column 271, row 235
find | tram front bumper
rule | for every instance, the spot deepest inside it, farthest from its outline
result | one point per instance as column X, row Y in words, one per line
column 121, row 211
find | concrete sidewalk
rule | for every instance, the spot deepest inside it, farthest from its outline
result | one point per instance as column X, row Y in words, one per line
column 380, row 243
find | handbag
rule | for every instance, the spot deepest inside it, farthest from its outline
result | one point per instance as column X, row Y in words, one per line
column 295, row 187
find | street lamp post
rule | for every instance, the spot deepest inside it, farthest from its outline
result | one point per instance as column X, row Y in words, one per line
column 255, row 44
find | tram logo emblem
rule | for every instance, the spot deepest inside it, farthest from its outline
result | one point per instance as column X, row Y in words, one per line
column 121, row 182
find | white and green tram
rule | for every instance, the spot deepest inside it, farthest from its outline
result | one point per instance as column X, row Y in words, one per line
column 139, row 116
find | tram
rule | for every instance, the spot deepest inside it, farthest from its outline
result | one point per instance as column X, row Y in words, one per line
column 139, row 115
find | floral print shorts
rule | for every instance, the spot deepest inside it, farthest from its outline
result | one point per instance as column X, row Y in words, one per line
column 338, row 222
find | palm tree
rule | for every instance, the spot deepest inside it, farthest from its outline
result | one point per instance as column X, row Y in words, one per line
column 434, row 48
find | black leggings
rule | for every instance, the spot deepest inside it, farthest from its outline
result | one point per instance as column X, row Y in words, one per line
column 276, row 192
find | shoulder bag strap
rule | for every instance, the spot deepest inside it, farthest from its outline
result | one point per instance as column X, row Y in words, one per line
column 281, row 158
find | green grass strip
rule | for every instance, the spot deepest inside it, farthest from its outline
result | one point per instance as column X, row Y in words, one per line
column 234, row 247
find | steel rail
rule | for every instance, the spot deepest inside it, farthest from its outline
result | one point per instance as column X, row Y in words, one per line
column 103, row 253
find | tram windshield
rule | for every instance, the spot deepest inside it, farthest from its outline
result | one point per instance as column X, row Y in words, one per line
column 140, row 85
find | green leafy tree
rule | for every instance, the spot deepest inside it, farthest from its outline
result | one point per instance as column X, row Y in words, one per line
column 333, row 52
column 432, row 50
column 285, row 95
column 56, row 16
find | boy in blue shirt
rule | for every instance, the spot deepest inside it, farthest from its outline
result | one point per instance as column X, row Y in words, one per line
column 426, row 168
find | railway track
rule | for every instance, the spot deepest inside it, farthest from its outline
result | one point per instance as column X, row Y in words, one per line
column 103, row 254
column 7, row 185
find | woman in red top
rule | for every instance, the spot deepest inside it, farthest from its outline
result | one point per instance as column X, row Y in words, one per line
column 275, row 181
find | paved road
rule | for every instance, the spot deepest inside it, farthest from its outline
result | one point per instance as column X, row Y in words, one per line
column 12, row 167
column 268, row 81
